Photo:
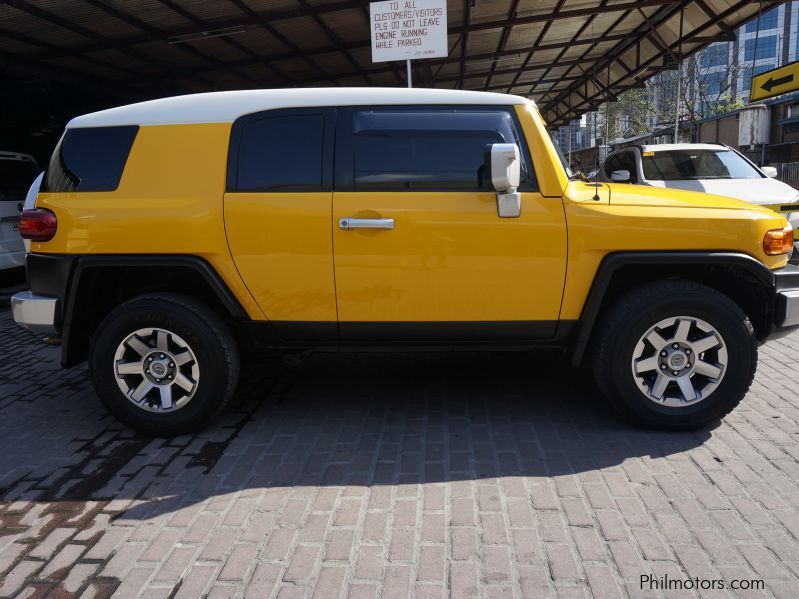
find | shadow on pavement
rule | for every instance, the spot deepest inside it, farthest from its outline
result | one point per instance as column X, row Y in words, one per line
column 333, row 420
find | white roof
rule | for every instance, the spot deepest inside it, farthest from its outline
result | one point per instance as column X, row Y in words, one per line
column 667, row 147
column 226, row 107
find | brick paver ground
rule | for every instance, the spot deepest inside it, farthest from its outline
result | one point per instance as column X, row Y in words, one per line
column 393, row 476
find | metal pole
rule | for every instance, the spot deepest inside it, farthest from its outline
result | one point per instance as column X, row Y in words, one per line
column 408, row 68
column 607, row 118
column 677, row 103
column 679, row 84
column 569, row 129
column 754, row 50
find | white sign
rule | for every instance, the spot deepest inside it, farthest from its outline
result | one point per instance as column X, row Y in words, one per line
column 408, row 29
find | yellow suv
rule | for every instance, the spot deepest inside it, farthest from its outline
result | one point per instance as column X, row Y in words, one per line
column 171, row 235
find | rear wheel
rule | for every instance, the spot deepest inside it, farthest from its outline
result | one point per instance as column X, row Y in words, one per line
column 675, row 355
column 164, row 364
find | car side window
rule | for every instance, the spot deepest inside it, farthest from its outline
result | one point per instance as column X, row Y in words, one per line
column 623, row 161
column 611, row 165
column 432, row 150
column 281, row 153
column 627, row 163
column 89, row 159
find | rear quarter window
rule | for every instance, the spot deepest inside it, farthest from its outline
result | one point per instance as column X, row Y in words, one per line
column 90, row 159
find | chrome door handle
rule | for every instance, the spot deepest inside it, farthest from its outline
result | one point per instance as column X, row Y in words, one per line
column 365, row 223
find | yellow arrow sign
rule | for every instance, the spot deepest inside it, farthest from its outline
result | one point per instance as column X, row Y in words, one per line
column 775, row 82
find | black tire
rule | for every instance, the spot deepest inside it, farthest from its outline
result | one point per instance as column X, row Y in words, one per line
column 205, row 333
column 632, row 315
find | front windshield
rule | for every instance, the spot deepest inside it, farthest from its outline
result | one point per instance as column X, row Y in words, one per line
column 680, row 165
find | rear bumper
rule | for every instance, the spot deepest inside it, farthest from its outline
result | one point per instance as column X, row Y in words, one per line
column 37, row 313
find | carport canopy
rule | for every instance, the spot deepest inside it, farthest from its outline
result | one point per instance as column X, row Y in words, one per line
column 568, row 55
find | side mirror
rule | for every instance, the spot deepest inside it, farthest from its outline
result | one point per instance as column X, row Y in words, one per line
column 769, row 171
column 620, row 176
column 503, row 167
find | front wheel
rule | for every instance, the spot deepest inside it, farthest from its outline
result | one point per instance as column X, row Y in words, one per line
column 163, row 364
column 674, row 355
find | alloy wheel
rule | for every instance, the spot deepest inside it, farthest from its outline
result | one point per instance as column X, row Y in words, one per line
column 156, row 370
column 679, row 361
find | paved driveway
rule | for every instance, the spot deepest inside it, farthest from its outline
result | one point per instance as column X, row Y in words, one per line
column 388, row 476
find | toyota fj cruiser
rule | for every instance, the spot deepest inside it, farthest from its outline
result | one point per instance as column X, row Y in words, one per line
column 170, row 234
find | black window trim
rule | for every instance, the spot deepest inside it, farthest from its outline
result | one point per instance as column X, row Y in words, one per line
column 345, row 141
column 329, row 115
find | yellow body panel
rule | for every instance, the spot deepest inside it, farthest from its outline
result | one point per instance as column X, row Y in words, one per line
column 549, row 172
column 282, row 246
column 449, row 258
column 639, row 218
column 169, row 201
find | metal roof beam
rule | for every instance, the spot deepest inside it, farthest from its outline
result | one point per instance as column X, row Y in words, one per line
column 655, row 36
column 563, row 14
column 503, row 37
column 642, row 33
column 536, row 46
column 584, row 28
column 142, row 26
column 720, row 22
column 552, row 106
column 268, row 19
column 176, row 8
column 66, row 76
column 54, row 19
column 338, row 44
column 250, row 18
column 691, row 37
column 508, row 72
column 513, row 70
column 26, row 39
column 157, row 77
column 259, row 20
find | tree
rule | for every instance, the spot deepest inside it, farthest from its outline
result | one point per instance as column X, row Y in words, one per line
column 631, row 114
column 707, row 87
column 706, row 84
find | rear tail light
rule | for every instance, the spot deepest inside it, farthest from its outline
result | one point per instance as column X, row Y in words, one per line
column 778, row 241
column 37, row 224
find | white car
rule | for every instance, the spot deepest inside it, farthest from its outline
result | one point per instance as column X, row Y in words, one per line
column 17, row 172
column 707, row 168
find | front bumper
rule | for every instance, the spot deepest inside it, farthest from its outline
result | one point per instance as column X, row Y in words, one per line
column 37, row 313
column 786, row 301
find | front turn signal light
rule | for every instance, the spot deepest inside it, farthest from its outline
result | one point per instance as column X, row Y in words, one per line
column 778, row 241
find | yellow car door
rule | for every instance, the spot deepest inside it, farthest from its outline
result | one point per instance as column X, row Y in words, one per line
column 278, row 218
column 420, row 252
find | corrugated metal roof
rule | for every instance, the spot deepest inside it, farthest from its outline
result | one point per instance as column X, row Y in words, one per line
column 567, row 55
